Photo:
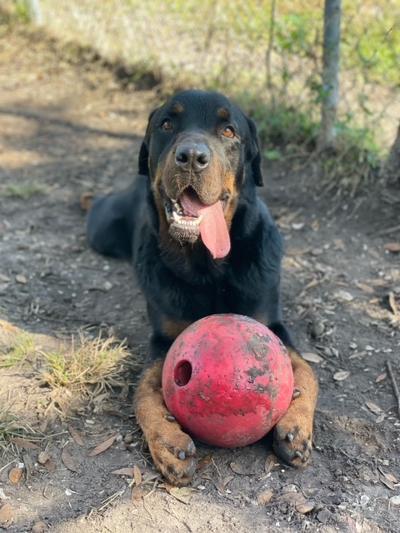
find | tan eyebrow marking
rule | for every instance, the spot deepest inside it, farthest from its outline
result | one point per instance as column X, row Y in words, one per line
column 177, row 108
column 223, row 112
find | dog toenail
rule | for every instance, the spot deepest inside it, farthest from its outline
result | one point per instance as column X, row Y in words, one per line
column 191, row 448
column 290, row 437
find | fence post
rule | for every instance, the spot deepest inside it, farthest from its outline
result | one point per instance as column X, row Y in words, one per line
column 330, row 73
column 35, row 11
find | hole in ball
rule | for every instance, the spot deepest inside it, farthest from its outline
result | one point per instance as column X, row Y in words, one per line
column 183, row 373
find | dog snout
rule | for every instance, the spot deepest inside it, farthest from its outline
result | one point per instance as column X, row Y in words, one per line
column 192, row 156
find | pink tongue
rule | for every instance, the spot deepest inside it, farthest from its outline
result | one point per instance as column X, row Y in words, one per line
column 213, row 229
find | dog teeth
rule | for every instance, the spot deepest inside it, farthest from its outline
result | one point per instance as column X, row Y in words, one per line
column 184, row 222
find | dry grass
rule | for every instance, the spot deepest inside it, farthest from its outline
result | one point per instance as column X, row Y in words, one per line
column 75, row 371
column 88, row 367
column 11, row 427
column 17, row 352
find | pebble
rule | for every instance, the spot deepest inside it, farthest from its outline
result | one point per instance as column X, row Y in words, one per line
column 323, row 516
column 395, row 500
column 107, row 286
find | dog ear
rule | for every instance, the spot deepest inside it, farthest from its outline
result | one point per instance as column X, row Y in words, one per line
column 143, row 161
column 253, row 154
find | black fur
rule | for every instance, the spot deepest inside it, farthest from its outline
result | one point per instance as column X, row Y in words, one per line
column 188, row 286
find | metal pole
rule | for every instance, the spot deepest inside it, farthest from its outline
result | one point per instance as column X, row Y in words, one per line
column 35, row 11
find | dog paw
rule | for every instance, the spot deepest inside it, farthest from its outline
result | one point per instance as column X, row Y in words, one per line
column 173, row 454
column 292, row 442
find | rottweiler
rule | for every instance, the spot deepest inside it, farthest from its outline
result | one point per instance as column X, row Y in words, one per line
column 201, row 242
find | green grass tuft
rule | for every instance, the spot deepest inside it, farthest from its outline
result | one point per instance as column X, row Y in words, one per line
column 22, row 191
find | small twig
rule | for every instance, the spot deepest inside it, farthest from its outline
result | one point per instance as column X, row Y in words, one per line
column 110, row 499
column 8, row 464
column 394, row 384
column 386, row 231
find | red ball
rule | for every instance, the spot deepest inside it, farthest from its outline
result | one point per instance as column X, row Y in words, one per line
column 227, row 379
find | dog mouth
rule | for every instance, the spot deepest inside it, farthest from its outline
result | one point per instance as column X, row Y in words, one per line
column 190, row 219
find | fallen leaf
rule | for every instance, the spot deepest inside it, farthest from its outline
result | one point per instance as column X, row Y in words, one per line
column 6, row 515
column 305, row 507
column 387, row 483
column 265, row 497
column 341, row 375
column 183, row 494
column 76, row 435
column 390, row 477
column 221, row 484
column 15, row 475
column 294, row 498
column 128, row 471
column 393, row 247
column 365, row 288
column 204, row 462
column 381, row 377
column 20, row 278
column 312, row 357
column 137, row 493
column 137, row 475
column 69, row 461
column 343, row 296
column 50, row 465
column 240, row 469
column 270, row 463
column 374, row 408
column 23, row 443
column 103, row 446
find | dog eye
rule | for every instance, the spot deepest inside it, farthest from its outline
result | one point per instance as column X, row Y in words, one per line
column 166, row 125
column 229, row 132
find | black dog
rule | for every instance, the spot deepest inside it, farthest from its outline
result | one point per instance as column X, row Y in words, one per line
column 201, row 242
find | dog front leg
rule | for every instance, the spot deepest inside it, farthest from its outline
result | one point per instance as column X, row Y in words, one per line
column 172, row 450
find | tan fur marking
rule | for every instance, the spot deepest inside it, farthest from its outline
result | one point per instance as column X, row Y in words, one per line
column 172, row 328
column 223, row 112
column 293, row 433
column 171, row 449
column 230, row 188
column 298, row 421
column 177, row 108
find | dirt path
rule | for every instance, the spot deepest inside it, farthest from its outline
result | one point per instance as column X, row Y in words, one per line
column 69, row 128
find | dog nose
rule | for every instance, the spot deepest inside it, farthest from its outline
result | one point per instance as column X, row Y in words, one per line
column 195, row 156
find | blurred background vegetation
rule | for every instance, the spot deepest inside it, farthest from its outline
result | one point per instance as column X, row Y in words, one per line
column 266, row 54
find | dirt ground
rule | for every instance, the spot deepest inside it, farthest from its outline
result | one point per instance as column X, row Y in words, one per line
column 69, row 127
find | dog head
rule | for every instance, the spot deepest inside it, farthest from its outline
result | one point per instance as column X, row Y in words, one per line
column 199, row 151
